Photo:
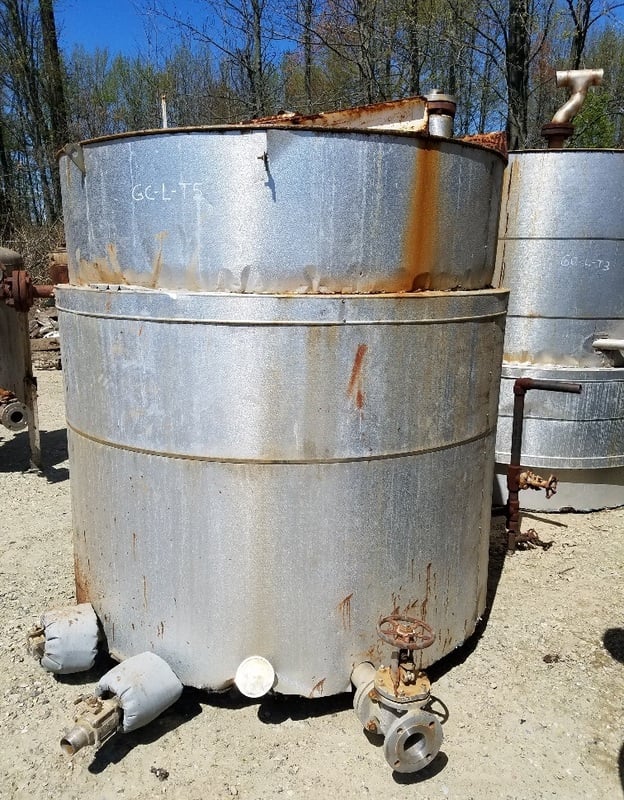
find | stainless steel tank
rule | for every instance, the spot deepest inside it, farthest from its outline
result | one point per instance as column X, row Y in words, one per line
column 561, row 254
column 271, row 446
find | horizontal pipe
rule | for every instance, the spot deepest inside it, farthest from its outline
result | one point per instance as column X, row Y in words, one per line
column 608, row 344
column 522, row 385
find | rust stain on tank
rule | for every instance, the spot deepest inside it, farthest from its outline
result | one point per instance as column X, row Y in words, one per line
column 145, row 591
column 83, row 593
column 344, row 607
column 318, row 688
column 373, row 653
column 421, row 232
column 425, row 602
column 355, row 388
column 102, row 270
column 134, row 541
column 160, row 630
column 158, row 259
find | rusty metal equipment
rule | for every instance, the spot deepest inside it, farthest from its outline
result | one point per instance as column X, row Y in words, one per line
column 261, row 304
column 19, row 292
column 285, row 205
column 519, row 478
column 18, row 386
column 392, row 700
column 126, row 698
column 561, row 253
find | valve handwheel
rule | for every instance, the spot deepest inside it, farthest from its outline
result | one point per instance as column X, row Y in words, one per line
column 406, row 633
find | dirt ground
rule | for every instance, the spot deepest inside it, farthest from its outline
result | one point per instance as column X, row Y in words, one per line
column 534, row 699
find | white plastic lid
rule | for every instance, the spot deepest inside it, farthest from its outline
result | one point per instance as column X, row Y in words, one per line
column 254, row 677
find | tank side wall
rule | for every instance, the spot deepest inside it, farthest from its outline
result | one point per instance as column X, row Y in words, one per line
column 282, row 211
column 372, row 498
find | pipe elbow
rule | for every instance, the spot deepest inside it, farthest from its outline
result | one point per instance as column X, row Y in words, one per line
column 579, row 81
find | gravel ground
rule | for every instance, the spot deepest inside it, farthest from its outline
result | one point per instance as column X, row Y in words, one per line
column 534, row 699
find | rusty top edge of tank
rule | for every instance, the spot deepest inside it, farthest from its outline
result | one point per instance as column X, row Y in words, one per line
column 336, row 296
column 353, row 112
column 496, row 140
column 320, row 131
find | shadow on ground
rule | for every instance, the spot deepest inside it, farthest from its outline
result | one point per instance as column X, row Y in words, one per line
column 116, row 749
column 613, row 641
column 15, row 454
column 498, row 553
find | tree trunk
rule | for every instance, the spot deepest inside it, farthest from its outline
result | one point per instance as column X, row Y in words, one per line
column 55, row 90
column 413, row 49
column 307, row 52
column 517, row 63
column 581, row 14
column 6, row 190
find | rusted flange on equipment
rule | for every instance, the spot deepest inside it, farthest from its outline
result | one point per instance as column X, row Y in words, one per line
column 17, row 290
column 556, row 133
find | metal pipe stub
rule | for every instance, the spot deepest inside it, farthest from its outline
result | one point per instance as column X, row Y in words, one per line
column 515, row 473
column 579, row 81
column 18, row 291
column 441, row 109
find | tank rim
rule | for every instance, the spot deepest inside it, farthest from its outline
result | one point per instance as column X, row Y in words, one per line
column 319, row 131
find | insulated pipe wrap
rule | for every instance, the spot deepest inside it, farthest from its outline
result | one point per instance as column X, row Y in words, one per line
column 145, row 685
column 71, row 639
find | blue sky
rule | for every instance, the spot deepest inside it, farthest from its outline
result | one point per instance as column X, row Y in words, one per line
column 120, row 25
column 117, row 25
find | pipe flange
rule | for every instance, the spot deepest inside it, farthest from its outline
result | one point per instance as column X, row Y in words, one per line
column 14, row 415
column 417, row 692
column 556, row 133
column 413, row 741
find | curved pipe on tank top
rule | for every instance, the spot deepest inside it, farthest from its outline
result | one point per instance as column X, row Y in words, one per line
column 579, row 81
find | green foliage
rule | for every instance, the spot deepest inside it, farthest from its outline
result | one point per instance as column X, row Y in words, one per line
column 594, row 125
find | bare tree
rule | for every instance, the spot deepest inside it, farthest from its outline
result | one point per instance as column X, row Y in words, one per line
column 53, row 81
column 585, row 14
column 240, row 32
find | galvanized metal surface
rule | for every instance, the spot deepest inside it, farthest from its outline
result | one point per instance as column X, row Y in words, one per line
column 579, row 438
column 272, row 210
column 561, row 254
column 269, row 476
column 583, row 431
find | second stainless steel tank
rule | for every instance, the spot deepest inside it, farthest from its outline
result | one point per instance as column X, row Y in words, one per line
column 561, row 254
